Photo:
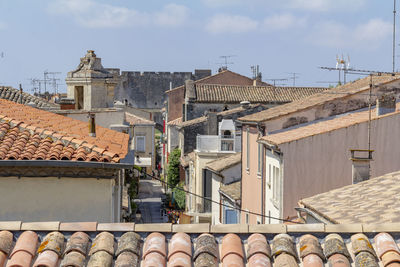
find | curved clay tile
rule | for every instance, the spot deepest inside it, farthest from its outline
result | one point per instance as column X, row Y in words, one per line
column 309, row 244
column 334, row 245
column 283, row 243
column 73, row 259
column 360, row 243
column 232, row 250
column 338, row 260
column 312, row 260
column 129, row 241
column 258, row 251
column 126, row 259
column 24, row 250
column 78, row 242
column 93, row 157
column 103, row 242
column 206, row 251
column 154, row 250
column 47, row 258
column 385, row 243
column 180, row 251
column 100, row 258
column 6, row 242
column 53, row 241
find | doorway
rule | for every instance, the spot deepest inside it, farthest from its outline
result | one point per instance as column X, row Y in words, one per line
column 78, row 97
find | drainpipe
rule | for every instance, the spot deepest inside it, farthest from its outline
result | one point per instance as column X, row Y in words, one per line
column 261, row 130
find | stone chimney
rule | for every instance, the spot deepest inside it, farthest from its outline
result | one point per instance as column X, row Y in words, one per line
column 385, row 104
column 212, row 123
column 361, row 160
column 92, row 124
column 190, row 91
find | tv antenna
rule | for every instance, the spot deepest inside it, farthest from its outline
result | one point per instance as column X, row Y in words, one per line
column 53, row 80
column 293, row 77
column 276, row 80
column 256, row 72
column 224, row 65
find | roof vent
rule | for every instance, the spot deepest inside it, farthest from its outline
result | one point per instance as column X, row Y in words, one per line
column 361, row 159
column 245, row 104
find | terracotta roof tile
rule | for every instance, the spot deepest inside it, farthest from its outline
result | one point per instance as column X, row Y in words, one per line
column 232, row 190
column 35, row 143
column 320, row 98
column 358, row 203
column 14, row 95
column 224, row 163
column 323, row 127
column 136, row 120
column 214, row 93
column 245, row 249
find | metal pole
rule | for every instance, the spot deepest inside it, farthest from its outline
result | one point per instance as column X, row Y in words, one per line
column 394, row 33
column 369, row 110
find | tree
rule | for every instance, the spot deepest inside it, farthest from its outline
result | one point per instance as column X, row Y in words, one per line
column 179, row 196
column 173, row 168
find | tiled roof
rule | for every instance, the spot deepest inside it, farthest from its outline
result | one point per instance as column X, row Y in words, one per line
column 136, row 120
column 232, row 190
column 225, row 77
column 14, row 95
column 323, row 127
column 105, row 245
column 214, row 93
column 222, row 113
column 175, row 122
column 372, row 201
column 318, row 99
column 185, row 160
column 30, row 133
column 224, row 163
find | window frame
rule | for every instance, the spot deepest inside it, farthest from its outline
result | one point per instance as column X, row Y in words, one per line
column 137, row 142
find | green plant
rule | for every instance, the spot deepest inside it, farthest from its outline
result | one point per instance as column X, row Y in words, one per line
column 179, row 196
column 173, row 168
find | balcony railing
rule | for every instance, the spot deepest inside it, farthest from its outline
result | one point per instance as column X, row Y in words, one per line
column 218, row 143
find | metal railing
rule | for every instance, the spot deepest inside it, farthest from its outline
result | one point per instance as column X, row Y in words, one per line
column 218, row 143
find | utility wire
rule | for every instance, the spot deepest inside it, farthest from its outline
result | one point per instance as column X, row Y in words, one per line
column 225, row 205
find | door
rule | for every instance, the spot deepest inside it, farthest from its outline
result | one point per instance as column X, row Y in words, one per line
column 78, row 97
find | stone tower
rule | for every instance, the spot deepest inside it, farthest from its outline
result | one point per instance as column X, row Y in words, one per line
column 90, row 85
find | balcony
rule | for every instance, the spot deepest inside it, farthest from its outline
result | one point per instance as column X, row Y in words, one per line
column 218, row 143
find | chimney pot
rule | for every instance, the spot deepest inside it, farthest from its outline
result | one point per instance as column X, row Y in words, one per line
column 361, row 159
column 92, row 125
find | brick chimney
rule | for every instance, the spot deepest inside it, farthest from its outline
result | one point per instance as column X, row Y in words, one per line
column 92, row 124
column 361, row 160
column 385, row 104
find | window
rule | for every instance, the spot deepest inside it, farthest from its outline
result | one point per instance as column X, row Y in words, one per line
column 247, row 218
column 140, row 143
column 260, row 159
column 276, row 184
column 247, row 149
column 269, row 175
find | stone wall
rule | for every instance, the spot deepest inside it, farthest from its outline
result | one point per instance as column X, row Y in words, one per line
column 147, row 89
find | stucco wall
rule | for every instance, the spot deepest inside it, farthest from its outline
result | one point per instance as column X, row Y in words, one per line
column 54, row 199
column 320, row 163
column 251, row 182
column 104, row 119
column 331, row 108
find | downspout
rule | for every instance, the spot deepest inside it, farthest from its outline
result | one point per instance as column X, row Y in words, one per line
column 260, row 134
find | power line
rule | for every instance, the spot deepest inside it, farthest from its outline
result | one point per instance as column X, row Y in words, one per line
column 222, row 204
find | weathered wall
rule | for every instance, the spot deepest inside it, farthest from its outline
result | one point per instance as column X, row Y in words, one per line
column 321, row 163
column 331, row 108
column 56, row 199
column 147, row 89
column 176, row 98
column 103, row 118
column 251, row 185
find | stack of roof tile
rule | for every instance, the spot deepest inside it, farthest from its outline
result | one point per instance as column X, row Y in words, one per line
column 113, row 246
column 15, row 95
column 27, row 133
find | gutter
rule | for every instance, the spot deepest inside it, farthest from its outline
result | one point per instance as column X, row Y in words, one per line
column 64, row 163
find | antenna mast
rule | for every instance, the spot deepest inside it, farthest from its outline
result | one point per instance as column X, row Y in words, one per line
column 294, row 77
column 225, row 64
column 394, row 34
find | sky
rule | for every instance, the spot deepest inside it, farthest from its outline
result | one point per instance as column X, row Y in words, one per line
column 281, row 36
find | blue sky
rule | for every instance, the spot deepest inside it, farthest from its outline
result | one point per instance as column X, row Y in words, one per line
column 159, row 35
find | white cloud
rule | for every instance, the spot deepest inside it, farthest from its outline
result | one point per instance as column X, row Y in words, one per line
column 172, row 15
column 364, row 36
column 222, row 3
column 223, row 23
column 325, row 5
column 91, row 14
column 283, row 21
